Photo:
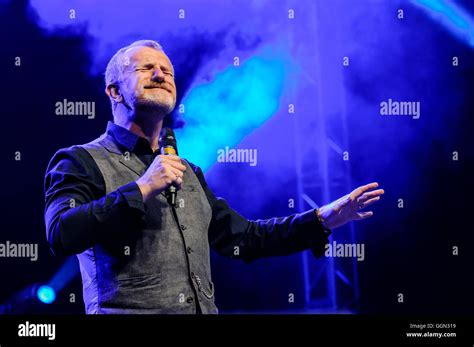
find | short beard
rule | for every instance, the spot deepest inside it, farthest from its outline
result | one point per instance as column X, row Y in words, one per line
column 143, row 105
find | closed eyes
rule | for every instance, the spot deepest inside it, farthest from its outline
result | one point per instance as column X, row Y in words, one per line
column 151, row 66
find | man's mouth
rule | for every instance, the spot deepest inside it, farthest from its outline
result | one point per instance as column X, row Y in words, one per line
column 158, row 87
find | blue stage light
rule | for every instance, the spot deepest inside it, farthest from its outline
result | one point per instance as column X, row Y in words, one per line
column 235, row 103
column 46, row 294
column 453, row 17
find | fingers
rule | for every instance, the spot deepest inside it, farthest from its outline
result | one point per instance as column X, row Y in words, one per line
column 372, row 194
column 176, row 163
column 175, row 173
column 368, row 202
column 174, row 169
column 172, row 160
column 166, row 170
column 176, row 176
column 363, row 215
column 170, row 157
column 361, row 190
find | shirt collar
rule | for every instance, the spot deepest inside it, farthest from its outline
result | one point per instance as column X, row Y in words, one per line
column 129, row 140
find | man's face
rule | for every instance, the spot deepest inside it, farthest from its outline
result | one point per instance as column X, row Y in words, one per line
column 148, row 80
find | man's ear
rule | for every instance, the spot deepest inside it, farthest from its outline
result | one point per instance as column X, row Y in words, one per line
column 112, row 90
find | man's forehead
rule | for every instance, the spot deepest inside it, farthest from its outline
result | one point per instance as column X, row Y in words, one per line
column 142, row 54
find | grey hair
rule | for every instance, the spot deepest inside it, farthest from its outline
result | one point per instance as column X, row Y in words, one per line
column 115, row 67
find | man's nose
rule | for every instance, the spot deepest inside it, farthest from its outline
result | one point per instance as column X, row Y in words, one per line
column 158, row 75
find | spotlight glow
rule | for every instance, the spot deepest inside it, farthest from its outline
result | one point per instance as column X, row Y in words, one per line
column 457, row 20
column 236, row 102
column 46, row 294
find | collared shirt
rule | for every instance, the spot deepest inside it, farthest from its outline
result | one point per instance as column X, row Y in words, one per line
column 79, row 213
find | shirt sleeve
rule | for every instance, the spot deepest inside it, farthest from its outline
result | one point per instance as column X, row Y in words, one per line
column 232, row 235
column 78, row 213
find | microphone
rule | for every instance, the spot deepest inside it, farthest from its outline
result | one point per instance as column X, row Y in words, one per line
column 168, row 147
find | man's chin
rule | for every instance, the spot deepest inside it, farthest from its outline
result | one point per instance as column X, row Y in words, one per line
column 152, row 106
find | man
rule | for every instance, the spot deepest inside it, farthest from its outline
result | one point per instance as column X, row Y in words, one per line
column 105, row 202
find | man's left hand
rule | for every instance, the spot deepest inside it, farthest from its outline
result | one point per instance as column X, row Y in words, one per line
column 348, row 207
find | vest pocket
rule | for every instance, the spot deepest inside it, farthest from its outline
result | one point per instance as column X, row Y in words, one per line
column 131, row 282
column 189, row 188
column 133, row 292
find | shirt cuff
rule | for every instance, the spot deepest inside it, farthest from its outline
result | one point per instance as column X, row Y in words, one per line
column 310, row 217
column 133, row 196
column 319, row 237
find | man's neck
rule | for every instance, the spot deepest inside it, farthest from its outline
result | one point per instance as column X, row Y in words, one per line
column 148, row 127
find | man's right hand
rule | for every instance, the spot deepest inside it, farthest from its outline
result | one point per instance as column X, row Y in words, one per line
column 165, row 170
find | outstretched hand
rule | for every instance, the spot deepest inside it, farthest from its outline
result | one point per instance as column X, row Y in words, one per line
column 348, row 207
